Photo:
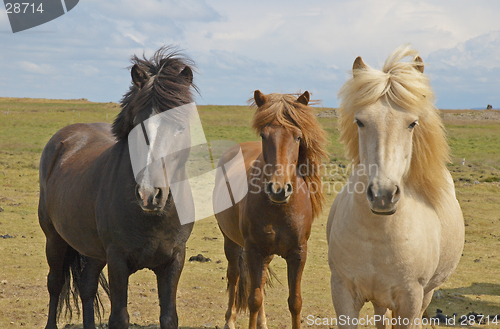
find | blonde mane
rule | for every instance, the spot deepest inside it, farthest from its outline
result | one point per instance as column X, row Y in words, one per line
column 289, row 113
column 403, row 84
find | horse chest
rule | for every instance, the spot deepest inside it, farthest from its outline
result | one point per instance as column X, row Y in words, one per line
column 274, row 238
column 145, row 242
column 152, row 255
column 381, row 263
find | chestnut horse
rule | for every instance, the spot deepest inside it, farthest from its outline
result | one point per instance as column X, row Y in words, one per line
column 93, row 211
column 275, row 217
column 399, row 237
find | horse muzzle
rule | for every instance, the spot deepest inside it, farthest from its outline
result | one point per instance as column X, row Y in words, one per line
column 278, row 193
column 151, row 199
column 383, row 201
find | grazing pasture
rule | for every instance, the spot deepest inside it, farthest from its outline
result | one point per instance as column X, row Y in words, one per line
column 27, row 124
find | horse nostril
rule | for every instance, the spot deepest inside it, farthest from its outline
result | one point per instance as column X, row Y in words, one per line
column 269, row 188
column 137, row 194
column 369, row 193
column 288, row 189
column 158, row 194
column 396, row 195
column 156, row 198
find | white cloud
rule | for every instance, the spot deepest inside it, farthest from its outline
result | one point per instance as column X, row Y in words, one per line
column 467, row 75
column 30, row 67
column 186, row 10
column 4, row 20
column 483, row 50
column 241, row 46
column 236, row 76
column 87, row 70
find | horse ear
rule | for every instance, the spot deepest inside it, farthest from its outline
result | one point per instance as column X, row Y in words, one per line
column 139, row 76
column 188, row 74
column 419, row 64
column 358, row 65
column 260, row 98
column 304, row 98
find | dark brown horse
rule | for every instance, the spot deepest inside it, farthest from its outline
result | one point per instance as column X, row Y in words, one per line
column 275, row 217
column 94, row 212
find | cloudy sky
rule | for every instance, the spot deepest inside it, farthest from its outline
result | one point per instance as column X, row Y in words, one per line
column 240, row 46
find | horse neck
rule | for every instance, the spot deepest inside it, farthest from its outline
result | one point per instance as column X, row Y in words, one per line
column 118, row 158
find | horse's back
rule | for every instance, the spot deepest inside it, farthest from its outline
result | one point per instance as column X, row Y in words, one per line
column 91, row 138
column 229, row 219
column 69, row 175
column 250, row 151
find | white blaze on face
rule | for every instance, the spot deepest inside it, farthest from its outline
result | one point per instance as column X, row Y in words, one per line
column 152, row 177
column 155, row 143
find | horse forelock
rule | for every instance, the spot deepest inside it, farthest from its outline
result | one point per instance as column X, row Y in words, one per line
column 289, row 113
column 165, row 88
column 402, row 84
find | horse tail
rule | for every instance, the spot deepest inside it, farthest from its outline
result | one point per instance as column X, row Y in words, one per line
column 73, row 265
column 243, row 291
column 98, row 306
column 271, row 276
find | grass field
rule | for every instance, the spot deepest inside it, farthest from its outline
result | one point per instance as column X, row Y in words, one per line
column 27, row 124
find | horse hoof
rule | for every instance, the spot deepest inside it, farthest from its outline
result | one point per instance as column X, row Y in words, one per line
column 229, row 326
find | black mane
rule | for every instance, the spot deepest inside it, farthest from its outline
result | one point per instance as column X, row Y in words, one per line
column 166, row 88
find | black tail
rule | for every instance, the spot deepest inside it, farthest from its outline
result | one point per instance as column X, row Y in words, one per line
column 243, row 290
column 73, row 267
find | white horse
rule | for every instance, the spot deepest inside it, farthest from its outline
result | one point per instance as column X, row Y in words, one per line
column 395, row 232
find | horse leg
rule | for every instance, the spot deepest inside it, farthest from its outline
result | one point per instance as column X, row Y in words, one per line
column 261, row 318
column 232, row 251
column 410, row 308
column 88, row 289
column 425, row 303
column 344, row 301
column 167, row 277
column 55, row 250
column 295, row 266
column 383, row 315
column 118, row 275
column 255, row 263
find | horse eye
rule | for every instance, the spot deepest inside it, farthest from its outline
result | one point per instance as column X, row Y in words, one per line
column 298, row 139
column 359, row 123
column 415, row 123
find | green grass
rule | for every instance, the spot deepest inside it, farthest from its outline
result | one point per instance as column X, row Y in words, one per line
column 202, row 298
column 480, row 146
